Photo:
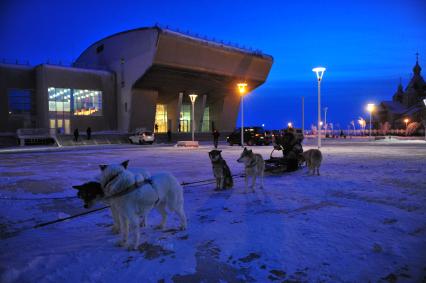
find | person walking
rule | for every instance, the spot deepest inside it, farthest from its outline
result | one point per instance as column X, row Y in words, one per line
column 76, row 134
column 169, row 135
column 216, row 135
column 89, row 133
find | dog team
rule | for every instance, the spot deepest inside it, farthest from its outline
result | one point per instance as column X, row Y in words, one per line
column 133, row 193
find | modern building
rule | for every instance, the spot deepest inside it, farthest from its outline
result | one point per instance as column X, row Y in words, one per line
column 405, row 104
column 133, row 79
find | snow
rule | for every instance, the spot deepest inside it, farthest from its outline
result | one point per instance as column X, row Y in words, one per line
column 362, row 220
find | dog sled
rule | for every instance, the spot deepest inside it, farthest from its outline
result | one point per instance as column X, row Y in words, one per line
column 291, row 148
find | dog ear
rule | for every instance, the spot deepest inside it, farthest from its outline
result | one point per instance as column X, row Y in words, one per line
column 78, row 187
column 125, row 164
column 103, row 167
column 219, row 151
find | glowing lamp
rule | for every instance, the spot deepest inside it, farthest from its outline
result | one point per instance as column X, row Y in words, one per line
column 193, row 97
column 242, row 87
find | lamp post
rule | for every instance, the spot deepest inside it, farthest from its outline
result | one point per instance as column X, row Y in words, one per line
column 424, row 120
column 325, row 120
column 303, row 114
column 370, row 108
column 290, row 125
column 193, row 97
column 406, row 125
column 319, row 71
column 242, row 90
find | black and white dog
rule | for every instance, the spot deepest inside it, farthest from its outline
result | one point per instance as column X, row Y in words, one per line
column 221, row 171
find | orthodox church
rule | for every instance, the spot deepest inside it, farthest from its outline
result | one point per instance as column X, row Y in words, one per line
column 405, row 104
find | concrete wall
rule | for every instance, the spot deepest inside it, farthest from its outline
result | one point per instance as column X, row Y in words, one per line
column 129, row 55
column 14, row 77
column 184, row 52
column 143, row 109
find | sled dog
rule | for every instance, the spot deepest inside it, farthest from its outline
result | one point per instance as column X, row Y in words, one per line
column 91, row 193
column 254, row 166
column 132, row 196
column 313, row 158
column 221, row 171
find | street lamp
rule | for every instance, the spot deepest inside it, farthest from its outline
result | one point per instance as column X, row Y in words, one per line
column 290, row 125
column 370, row 108
column 193, row 97
column 242, row 90
column 319, row 71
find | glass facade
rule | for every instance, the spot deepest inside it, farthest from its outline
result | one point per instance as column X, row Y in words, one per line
column 64, row 101
column 185, row 118
column 161, row 118
column 206, row 120
column 20, row 101
column 87, row 102
column 21, row 107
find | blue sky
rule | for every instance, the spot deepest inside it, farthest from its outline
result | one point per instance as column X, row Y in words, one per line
column 366, row 46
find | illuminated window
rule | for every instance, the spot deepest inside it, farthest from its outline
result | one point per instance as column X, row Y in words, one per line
column 87, row 102
column 161, row 118
column 185, row 118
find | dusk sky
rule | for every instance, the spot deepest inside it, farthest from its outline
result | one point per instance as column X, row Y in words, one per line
column 366, row 46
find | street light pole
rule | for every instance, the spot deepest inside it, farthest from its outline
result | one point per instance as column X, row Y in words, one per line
column 303, row 114
column 242, row 89
column 370, row 108
column 319, row 71
column 325, row 120
column 424, row 120
column 406, row 126
column 193, row 97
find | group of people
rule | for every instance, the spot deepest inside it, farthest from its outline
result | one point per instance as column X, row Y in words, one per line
column 77, row 134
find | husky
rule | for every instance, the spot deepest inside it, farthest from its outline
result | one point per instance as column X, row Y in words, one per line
column 132, row 196
column 254, row 166
column 221, row 171
column 313, row 158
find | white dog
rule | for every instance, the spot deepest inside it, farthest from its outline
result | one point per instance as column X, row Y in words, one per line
column 132, row 196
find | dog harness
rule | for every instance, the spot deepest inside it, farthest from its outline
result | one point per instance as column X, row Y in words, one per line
column 133, row 187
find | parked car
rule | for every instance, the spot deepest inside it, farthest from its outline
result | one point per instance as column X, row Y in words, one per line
column 142, row 136
column 252, row 136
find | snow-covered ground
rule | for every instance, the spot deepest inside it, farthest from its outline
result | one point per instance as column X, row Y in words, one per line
column 363, row 219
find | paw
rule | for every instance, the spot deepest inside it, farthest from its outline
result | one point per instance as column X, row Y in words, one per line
column 182, row 227
column 115, row 230
column 159, row 227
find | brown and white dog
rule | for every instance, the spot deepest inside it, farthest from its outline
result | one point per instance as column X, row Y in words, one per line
column 254, row 166
column 313, row 159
